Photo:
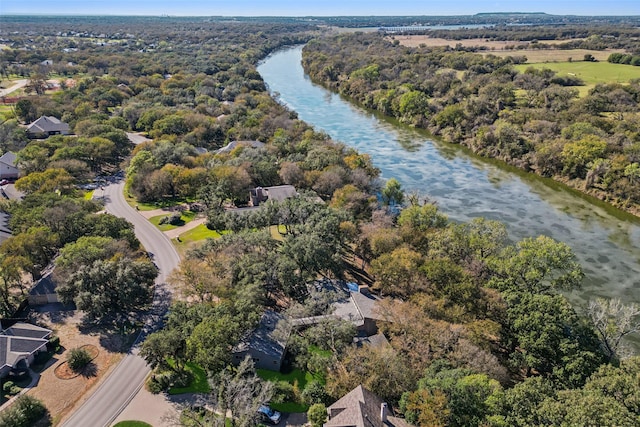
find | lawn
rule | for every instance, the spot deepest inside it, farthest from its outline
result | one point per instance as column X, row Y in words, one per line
column 302, row 378
column 198, row 233
column 200, row 383
column 185, row 217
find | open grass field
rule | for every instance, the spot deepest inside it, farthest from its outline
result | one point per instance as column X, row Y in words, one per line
column 503, row 48
column 591, row 73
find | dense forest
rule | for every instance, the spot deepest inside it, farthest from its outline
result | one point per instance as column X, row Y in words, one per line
column 478, row 329
column 534, row 120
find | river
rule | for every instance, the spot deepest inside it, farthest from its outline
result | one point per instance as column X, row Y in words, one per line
column 605, row 240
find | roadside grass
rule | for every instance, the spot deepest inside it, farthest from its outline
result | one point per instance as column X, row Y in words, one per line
column 132, row 424
column 185, row 217
column 200, row 383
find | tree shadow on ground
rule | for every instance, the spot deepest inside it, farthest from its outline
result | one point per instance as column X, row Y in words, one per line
column 89, row 371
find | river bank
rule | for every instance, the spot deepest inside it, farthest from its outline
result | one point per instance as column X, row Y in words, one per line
column 605, row 240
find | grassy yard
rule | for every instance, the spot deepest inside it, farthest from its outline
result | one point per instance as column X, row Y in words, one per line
column 295, row 376
column 185, row 217
column 200, row 383
column 198, row 234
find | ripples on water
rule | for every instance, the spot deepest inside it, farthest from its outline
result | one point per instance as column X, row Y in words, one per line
column 606, row 241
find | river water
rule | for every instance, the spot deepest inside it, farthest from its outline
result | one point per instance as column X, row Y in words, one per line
column 605, row 240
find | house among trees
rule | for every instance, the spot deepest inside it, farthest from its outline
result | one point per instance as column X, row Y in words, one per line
column 273, row 194
column 8, row 168
column 44, row 292
column 46, row 126
column 266, row 351
column 354, row 303
column 19, row 345
column 362, row 408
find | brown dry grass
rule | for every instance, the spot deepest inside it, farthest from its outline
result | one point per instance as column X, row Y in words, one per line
column 61, row 395
column 499, row 48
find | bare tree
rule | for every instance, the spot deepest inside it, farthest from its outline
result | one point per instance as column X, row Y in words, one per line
column 613, row 320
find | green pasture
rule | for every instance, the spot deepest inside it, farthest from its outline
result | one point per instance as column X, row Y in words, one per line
column 591, row 73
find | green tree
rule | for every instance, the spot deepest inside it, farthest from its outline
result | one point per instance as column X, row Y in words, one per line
column 110, row 288
column 317, row 415
column 392, row 193
column 535, row 265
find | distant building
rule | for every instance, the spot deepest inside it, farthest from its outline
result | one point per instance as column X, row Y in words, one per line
column 273, row 194
column 8, row 168
column 266, row 351
column 46, row 126
column 19, row 345
column 362, row 408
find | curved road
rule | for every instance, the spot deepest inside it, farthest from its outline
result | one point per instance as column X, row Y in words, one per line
column 117, row 390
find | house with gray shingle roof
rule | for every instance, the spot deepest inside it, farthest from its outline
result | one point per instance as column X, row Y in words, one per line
column 264, row 348
column 44, row 291
column 46, row 126
column 8, row 168
column 362, row 408
column 19, row 345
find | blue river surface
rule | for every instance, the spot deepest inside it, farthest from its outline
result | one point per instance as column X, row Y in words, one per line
column 605, row 240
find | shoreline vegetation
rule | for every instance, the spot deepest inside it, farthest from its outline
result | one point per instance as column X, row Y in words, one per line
column 535, row 119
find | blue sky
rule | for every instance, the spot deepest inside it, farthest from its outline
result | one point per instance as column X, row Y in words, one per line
column 317, row 8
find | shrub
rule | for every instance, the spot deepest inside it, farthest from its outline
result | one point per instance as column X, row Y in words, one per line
column 54, row 344
column 10, row 388
column 23, row 413
column 175, row 219
column 314, row 393
column 317, row 415
column 283, row 392
column 78, row 359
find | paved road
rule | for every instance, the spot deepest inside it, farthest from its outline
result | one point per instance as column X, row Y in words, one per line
column 113, row 395
column 17, row 84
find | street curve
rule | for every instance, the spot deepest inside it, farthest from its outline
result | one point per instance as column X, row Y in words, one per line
column 122, row 384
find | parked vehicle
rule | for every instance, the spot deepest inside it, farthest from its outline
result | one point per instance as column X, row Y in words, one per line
column 269, row 415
